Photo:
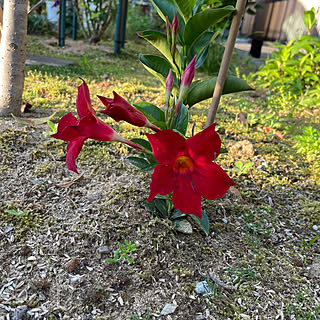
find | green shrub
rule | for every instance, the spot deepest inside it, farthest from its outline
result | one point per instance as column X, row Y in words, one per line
column 308, row 143
column 295, row 67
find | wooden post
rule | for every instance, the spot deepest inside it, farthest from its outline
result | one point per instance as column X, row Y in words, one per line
column 225, row 62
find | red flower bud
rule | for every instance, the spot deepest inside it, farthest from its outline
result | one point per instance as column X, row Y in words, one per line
column 169, row 82
column 175, row 25
column 119, row 109
column 187, row 78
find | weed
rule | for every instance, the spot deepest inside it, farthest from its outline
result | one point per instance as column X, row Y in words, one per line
column 308, row 143
column 146, row 316
column 242, row 273
column 242, row 168
column 302, row 309
column 123, row 252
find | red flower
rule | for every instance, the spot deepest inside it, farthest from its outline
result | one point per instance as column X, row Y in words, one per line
column 187, row 169
column 88, row 126
column 119, row 109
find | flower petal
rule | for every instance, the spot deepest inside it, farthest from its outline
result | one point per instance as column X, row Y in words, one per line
column 211, row 181
column 94, row 128
column 167, row 145
column 205, row 145
column 83, row 103
column 66, row 121
column 73, row 149
column 185, row 198
column 162, row 181
column 119, row 109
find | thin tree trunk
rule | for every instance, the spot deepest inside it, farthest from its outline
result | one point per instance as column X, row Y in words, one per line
column 13, row 56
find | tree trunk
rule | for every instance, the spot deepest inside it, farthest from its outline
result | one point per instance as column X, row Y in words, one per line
column 13, row 56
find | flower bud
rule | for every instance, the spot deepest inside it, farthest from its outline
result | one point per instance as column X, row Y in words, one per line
column 175, row 25
column 119, row 109
column 169, row 86
column 187, row 78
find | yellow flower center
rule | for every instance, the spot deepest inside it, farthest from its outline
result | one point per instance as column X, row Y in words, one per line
column 183, row 164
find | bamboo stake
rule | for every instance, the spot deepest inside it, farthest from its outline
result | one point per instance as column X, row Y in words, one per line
column 225, row 61
column 38, row 4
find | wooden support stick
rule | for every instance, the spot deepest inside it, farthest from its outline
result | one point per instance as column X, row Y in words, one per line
column 225, row 62
column 37, row 5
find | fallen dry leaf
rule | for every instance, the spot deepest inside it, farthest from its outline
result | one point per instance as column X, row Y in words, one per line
column 279, row 135
column 70, row 182
column 32, row 121
column 242, row 118
column 237, row 193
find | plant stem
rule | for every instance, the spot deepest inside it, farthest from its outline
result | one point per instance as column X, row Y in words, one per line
column 225, row 62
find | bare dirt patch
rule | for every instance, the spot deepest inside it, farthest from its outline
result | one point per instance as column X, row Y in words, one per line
column 52, row 254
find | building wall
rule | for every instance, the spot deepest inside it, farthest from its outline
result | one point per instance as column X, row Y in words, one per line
column 280, row 20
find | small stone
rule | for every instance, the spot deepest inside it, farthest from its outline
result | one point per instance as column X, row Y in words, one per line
column 168, row 309
column 8, row 229
column 315, row 228
column 120, row 300
column 200, row 317
column 184, row 226
column 225, row 220
column 203, row 288
column 19, row 313
column 103, row 250
column 241, row 149
column 314, row 271
column 32, row 258
column 94, row 311
column 75, row 278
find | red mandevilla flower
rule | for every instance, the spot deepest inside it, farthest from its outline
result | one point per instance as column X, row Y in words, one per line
column 119, row 109
column 88, row 126
column 186, row 168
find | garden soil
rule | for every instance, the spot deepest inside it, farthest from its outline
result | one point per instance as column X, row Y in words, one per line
column 57, row 229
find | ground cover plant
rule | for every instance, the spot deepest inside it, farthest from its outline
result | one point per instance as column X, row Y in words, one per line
column 57, row 229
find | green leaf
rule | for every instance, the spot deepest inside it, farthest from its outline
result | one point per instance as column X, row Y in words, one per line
column 166, row 8
column 149, row 109
column 248, row 165
column 159, row 65
column 185, row 8
column 145, row 143
column 309, row 18
column 312, row 241
column 200, row 23
column 161, row 206
column 200, row 49
column 138, row 162
column 159, row 41
column 157, row 207
column 177, row 214
column 182, row 120
column 203, row 223
column 204, row 89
